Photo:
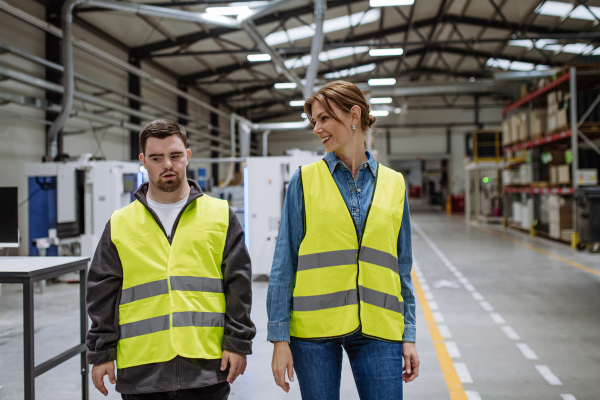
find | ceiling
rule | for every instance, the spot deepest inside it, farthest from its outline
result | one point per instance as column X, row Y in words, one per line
column 443, row 41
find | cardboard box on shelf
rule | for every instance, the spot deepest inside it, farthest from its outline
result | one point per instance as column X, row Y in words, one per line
column 524, row 126
column 506, row 133
column 514, row 127
column 566, row 234
column 554, row 174
column 525, row 174
column 510, row 177
column 561, row 215
column 587, row 176
column 561, row 118
column 517, row 209
column 564, row 173
column 538, row 122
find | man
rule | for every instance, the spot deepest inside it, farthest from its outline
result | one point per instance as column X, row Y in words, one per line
column 169, row 288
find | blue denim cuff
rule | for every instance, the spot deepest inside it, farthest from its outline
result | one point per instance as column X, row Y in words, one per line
column 278, row 332
column 410, row 334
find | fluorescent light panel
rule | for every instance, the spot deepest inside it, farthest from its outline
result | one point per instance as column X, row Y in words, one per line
column 560, row 9
column 330, row 25
column 297, row 103
column 514, row 65
column 285, row 85
column 382, row 81
column 258, row 57
column 380, row 100
column 349, row 72
column 303, row 115
column 380, row 113
column 385, row 52
column 388, row 3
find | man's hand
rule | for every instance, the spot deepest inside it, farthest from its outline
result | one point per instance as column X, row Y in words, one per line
column 237, row 364
column 98, row 372
column 282, row 361
column 411, row 362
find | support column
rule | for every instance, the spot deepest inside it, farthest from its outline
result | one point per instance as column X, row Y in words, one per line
column 214, row 121
column 53, row 52
column 134, row 87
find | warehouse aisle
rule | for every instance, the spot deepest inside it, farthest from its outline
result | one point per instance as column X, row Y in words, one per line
column 518, row 317
column 518, row 320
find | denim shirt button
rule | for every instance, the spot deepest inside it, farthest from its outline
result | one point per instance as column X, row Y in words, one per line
column 358, row 190
column 357, row 211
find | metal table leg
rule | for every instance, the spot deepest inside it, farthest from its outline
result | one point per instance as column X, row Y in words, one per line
column 28, row 348
column 83, row 331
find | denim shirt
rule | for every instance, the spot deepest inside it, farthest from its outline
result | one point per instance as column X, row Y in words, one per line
column 357, row 196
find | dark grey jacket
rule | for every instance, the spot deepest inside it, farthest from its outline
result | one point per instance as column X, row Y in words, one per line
column 104, row 285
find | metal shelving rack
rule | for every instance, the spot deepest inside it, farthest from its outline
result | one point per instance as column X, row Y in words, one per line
column 574, row 132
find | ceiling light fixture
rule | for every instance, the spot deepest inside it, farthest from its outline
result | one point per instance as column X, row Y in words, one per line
column 382, row 81
column 380, row 100
column 379, row 113
column 561, row 10
column 388, row 3
column 297, row 103
column 386, row 52
column 285, row 85
column 349, row 72
column 326, row 56
column 258, row 57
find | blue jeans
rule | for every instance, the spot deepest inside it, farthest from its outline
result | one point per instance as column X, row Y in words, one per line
column 376, row 366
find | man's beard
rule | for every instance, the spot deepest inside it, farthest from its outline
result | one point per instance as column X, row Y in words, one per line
column 169, row 186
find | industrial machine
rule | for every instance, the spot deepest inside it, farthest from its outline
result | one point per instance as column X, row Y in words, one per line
column 265, row 184
column 588, row 217
column 71, row 202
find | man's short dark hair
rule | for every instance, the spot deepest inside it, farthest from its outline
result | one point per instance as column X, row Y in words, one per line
column 160, row 129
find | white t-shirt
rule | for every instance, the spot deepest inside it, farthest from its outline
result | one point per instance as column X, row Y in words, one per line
column 167, row 213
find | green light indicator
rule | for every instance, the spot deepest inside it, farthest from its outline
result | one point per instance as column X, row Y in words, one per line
column 486, row 179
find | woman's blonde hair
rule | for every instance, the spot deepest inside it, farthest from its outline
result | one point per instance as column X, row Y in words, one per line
column 344, row 95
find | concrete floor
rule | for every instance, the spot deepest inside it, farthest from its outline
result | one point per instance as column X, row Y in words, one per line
column 515, row 322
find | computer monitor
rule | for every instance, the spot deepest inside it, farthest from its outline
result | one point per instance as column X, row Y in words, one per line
column 9, row 217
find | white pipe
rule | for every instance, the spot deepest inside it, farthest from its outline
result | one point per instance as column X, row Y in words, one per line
column 281, row 126
column 266, row 9
column 265, row 142
column 316, row 48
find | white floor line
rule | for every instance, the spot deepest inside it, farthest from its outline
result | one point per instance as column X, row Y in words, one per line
column 463, row 373
column 497, row 318
column 452, row 349
column 486, row 306
column 477, row 296
column 428, row 295
column 510, row 332
column 438, row 317
column 527, row 352
column 472, row 395
column 567, row 397
column 470, row 288
column 425, row 287
column 444, row 331
column 433, row 305
column 548, row 375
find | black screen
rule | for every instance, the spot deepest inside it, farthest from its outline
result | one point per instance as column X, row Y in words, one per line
column 9, row 222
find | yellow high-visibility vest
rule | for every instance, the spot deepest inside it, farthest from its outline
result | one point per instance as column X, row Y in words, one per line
column 343, row 284
column 173, row 300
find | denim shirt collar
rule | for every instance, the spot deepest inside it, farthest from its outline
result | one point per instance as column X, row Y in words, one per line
column 333, row 161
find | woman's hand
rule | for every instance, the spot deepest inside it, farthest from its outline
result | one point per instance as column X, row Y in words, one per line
column 411, row 362
column 282, row 361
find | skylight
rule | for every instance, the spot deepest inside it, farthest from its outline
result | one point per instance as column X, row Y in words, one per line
column 352, row 71
column 514, row 65
column 560, row 9
column 330, row 25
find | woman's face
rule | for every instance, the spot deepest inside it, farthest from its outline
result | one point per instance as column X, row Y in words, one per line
column 332, row 133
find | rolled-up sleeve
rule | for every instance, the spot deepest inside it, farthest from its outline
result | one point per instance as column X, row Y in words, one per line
column 285, row 263
column 237, row 278
column 405, row 261
column 104, row 283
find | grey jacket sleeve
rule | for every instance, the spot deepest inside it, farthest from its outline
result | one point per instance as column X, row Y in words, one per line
column 104, row 283
column 237, row 279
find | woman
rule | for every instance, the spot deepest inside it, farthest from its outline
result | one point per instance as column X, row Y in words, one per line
column 341, row 272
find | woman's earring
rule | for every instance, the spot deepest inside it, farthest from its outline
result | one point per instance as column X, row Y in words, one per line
column 353, row 126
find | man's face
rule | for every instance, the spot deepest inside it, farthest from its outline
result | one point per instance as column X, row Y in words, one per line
column 166, row 160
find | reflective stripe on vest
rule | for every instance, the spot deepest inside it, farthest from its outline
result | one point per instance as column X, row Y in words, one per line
column 173, row 301
column 343, row 285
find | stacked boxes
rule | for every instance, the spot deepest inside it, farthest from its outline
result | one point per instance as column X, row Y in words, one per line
column 538, row 123
column 506, row 133
column 523, row 127
column 526, row 174
column 552, row 110
column 561, row 215
column 511, row 177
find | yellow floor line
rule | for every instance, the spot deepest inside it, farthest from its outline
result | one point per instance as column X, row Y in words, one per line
column 455, row 387
column 537, row 249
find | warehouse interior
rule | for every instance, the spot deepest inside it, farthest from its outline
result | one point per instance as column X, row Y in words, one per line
column 489, row 108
